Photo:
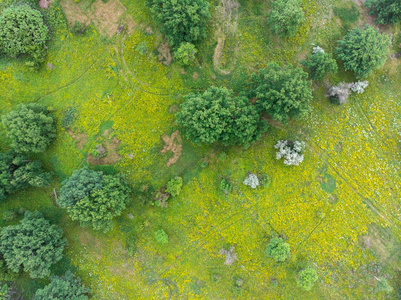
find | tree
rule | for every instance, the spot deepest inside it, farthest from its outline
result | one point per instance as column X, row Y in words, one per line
column 307, row 278
column 30, row 128
column 17, row 172
column 217, row 116
column 185, row 54
column 181, row 20
column 387, row 11
column 285, row 17
column 278, row 249
column 22, row 31
column 33, row 245
column 291, row 151
column 282, row 93
column 363, row 50
column 66, row 287
column 319, row 65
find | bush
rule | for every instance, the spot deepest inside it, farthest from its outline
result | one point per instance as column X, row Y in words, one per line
column 185, row 54
column 217, row 116
column 285, row 17
column 33, row 245
column 174, row 186
column 278, row 249
column 319, row 65
column 383, row 286
column 30, row 128
column 307, row 278
column 282, row 93
column 181, row 20
column 291, row 151
column 340, row 93
column 359, row 87
column 161, row 236
column 69, row 116
column 78, row 28
column 225, row 186
column 66, row 287
column 22, row 31
column 363, row 50
column 252, row 181
column 387, row 11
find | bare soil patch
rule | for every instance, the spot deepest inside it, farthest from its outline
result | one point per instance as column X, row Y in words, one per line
column 81, row 138
column 44, row 4
column 173, row 143
column 164, row 54
column 110, row 146
column 73, row 13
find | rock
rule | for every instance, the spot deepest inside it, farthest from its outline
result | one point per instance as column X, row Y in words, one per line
column 120, row 29
column 50, row 66
column 148, row 30
column 131, row 216
column 101, row 150
column 239, row 282
column 44, row 4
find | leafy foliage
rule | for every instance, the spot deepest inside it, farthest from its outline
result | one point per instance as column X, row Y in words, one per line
column 217, row 116
column 387, row 11
column 283, row 93
column 285, row 17
column 17, row 172
column 31, row 128
column 383, row 285
column 307, row 278
column 181, row 20
column 185, row 54
column 225, row 186
column 66, row 287
column 78, row 28
column 319, row 65
column 174, row 186
column 161, row 236
column 33, row 245
column 278, row 249
column 22, row 31
column 5, row 273
column 363, row 50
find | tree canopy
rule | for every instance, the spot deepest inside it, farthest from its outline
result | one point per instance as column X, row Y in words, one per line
column 17, row 172
column 66, row 287
column 282, row 93
column 387, row 11
column 181, row 20
column 363, row 50
column 285, row 17
column 30, row 128
column 217, row 116
column 33, row 245
column 307, row 279
column 278, row 249
column 319, row 65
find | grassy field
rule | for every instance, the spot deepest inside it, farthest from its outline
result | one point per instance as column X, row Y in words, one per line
column 339, row 210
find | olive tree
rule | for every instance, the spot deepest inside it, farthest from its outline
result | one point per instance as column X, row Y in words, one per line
column 387, row 11
column 307, row 279
column 285, row 17
column 319, row 64
column 278, row 249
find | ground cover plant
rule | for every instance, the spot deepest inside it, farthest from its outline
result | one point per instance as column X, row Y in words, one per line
column 121, row 88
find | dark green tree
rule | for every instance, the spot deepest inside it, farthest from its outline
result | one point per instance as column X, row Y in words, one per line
column 30, row 128
column 319, row 65
column 387, row 11
column 307, row 278
column 66, row 287
column 283, row 93
column 17, row 172
column 363, row 50
column 278, row 249
column 181, row 20
column 217, row 116
column 22, row 31
column 285, row 17
column 33, row 245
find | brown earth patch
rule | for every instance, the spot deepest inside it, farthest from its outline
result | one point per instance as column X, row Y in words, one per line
column 111, row 147
column 81, row 138
column 73, row 13
column 164, row 54
column 173, row 109
column 172, row 143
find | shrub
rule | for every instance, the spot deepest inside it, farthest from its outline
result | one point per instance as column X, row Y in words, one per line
column 174, row 186
column 30, row 128
column 387, row 11
column 69, row 116
column 185, row 54
column 161, row 236
column 283, row 93
column 66, row 287
column 78, row 28
column 340, row 93
column 319, row 65
column 383, row 286
column 17, row 172
column 363, row 50
column 33, row 245
column 307, row 278
column 5, row 273
column 181, row 20
column 291, row 151
column 359, row 87
column 285, row 17
column 225, row 186
column 252, row 181
column 278, row 249
column 22, row 31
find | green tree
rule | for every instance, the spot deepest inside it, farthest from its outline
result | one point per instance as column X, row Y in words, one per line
column 185, row 54
column 33, row 245
column 278, row 249
column 66, row 287
column 307, row 278
column 30, row 128
column 22, row 31
column 319, row 65
column 174, row 186
column 217, row 116
column 17, row 172
column 285, row 17
column 387, row 11
column 283, row 93
column 181, row 20
column 363, row 50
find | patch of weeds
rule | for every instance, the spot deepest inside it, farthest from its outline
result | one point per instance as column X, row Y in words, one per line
column 161, row 237
column 8, row 215
column 69, row 116
column 264, row 180
column 222, row 156
column 131, row 244
column 225, row 186
column 78, row 28
column 348, row 15
column 203, row 164
column 327, row 183
column 142, row 48
column 174, row 186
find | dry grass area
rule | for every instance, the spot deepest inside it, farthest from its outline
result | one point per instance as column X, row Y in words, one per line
column 173, row 143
